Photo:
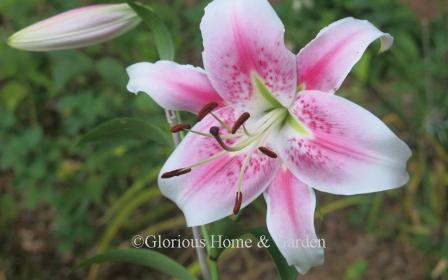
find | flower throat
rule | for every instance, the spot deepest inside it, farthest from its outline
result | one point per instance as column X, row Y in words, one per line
column 251, row 140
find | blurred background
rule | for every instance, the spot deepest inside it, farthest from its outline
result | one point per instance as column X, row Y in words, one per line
column 61, row 201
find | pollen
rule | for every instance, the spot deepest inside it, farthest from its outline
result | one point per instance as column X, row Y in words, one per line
column 238, row 201
column 207, row 109
column 270, row 153
column 180, row 127
column 176, row 172
column 240, row 121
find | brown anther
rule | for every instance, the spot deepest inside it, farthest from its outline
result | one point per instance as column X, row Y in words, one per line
column 180, row 127
column 268, row 152
column 238, row 201
column 240, row 121
column 206, row 110
column 176, row 172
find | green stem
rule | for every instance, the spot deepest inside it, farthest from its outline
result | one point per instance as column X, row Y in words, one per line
column 173, row 118
column 165, row 50
column 212, row 263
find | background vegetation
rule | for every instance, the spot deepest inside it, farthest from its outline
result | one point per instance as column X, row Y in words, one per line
column 61, row 200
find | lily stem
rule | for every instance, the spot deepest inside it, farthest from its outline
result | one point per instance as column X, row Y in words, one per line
column 212, row 262
column 173, row 119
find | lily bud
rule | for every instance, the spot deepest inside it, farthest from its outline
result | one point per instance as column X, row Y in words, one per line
column 76, row 28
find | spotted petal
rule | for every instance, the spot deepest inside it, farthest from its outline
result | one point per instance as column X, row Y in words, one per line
column 244, row 52
column 290, row 221
column 207, row 193
column 324, row 63
column 173, row 86
column 349, row 150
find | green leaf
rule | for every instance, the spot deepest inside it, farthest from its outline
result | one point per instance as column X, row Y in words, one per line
column 122, row 216
column 66, row 65
column 286, row 271
column 126, row 129
column 162, row 37
column 130, row 193
column 12, row 94
column 230, row 229
column 361, row 69
column 143, row 257
column 112, row 70
column 356, row 270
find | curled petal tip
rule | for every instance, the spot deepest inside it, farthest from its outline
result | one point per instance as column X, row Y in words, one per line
column 386, row 42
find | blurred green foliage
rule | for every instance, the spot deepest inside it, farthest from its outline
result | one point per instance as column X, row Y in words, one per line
column 48, row 101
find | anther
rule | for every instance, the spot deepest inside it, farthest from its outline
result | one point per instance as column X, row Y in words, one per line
column 240, row 121
column 206, row 110
column 180, row 127
column 268, row 152
column 238, row 201
column 176, row 172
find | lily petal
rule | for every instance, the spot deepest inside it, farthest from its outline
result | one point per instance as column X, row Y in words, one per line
column 349, row 150
column 173, row 86
column 324, row 63
column 243, row 41
column 207, row 193
column 290, row 221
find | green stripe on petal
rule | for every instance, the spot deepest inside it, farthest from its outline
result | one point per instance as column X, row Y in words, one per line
column 297, row 126
column 265, row 92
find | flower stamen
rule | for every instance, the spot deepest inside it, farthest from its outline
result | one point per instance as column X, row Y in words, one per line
column 270, row 153
column 180, row 127
column 238, row 201
column 176, row 172
column 239, row 184
column 208, row 108
column 240, row 121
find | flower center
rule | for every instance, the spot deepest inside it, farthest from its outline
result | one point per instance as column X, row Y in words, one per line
column 249, row 140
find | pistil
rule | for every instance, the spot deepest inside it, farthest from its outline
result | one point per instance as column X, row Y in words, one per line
column 214, row 131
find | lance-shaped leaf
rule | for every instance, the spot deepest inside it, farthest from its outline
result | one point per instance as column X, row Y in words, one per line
column 162, row 37
column 286, row 271
column 126, row 129
column 143, row 257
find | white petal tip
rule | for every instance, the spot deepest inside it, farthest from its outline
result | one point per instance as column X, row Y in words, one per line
column 318, row 260
column 132, row 88
column 386, row 42
column 302, row 270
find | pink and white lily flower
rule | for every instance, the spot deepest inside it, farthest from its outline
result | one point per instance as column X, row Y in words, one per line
column 299, row 136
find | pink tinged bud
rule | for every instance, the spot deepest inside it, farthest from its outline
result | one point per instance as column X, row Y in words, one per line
column 76, row 28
